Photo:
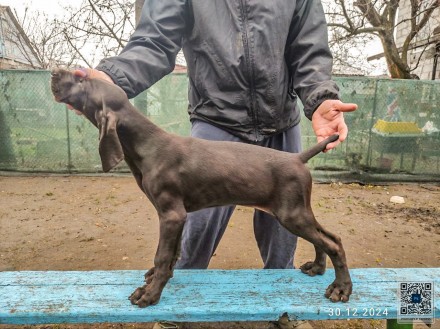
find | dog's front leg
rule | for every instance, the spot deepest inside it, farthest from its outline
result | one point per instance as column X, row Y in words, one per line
column 171, row 227
column 150, row 273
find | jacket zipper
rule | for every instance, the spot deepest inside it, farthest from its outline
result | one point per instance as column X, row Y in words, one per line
column 251, row 77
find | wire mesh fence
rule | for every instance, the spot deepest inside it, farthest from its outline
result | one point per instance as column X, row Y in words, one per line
column 394, row 135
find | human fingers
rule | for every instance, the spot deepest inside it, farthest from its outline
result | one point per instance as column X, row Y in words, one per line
column 345, row 107
column 92, row 74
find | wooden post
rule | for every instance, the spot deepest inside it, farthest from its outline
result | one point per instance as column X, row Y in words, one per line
column 138, row 9
column 393, row 324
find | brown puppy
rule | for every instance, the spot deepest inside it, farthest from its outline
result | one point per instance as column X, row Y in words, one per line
column 184, row 174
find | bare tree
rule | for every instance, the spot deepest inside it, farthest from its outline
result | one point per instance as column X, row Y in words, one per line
column 351, row 20
column 81, row 35
column 349, row 54
column 46, row 37
column 99, row 28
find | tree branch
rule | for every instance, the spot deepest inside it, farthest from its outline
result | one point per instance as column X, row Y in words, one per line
column 415, row 28
column 76, row 49
column 105, row 23
column 367, row 8
column 357, row 31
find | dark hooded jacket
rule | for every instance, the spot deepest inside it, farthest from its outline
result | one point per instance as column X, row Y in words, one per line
column 248, row 60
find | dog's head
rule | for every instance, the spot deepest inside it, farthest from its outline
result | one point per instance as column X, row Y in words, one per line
column 99, row 101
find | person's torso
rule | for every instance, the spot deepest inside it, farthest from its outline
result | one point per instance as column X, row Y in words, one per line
column 238, row 76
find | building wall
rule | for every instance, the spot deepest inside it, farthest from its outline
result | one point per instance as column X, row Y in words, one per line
column 15, row 49
column 422, row 56
column 9, row 64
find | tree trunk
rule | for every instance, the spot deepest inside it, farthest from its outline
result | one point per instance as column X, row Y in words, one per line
column 396, row 72
column 396, row 66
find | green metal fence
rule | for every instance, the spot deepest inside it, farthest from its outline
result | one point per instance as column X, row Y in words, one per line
column 394, row 135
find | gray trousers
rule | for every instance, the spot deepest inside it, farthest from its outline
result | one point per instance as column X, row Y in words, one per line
column 204, row 228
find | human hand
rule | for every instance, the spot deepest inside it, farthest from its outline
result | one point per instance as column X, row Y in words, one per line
column 88, row 73
column 328, row 120
column 92, row 74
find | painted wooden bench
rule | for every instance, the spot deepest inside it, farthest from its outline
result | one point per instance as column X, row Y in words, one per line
column 38, row 297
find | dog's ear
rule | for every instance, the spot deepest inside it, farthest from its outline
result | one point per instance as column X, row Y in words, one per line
column 110, row 148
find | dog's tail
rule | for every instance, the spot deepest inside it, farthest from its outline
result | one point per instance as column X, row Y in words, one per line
column 318, row 148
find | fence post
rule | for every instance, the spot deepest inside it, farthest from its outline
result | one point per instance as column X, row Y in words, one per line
column 393, row 324
column 7, row 156
column 69, row 154
column 369, row 151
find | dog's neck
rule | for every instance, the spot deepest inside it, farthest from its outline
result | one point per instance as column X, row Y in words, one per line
column 134, row 128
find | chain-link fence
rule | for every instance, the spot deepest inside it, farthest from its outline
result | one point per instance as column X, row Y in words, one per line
column 394, row 135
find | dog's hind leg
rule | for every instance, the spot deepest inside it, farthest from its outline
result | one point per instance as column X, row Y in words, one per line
column 171, row 227
column 304, row 224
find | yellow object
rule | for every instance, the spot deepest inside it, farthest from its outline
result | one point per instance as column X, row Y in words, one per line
column 397, row 127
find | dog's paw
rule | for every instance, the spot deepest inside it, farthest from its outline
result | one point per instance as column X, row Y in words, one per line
column 339, row 291
column 144, row 296
column 312, row 268
column 149, row 275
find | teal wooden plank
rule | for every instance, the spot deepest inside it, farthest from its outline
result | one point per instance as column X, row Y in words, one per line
column 200, row 295
column 204, row 276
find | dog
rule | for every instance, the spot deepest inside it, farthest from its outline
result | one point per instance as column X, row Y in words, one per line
column 184, row 174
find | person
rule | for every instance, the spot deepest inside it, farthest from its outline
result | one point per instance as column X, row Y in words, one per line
column 249, row 66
